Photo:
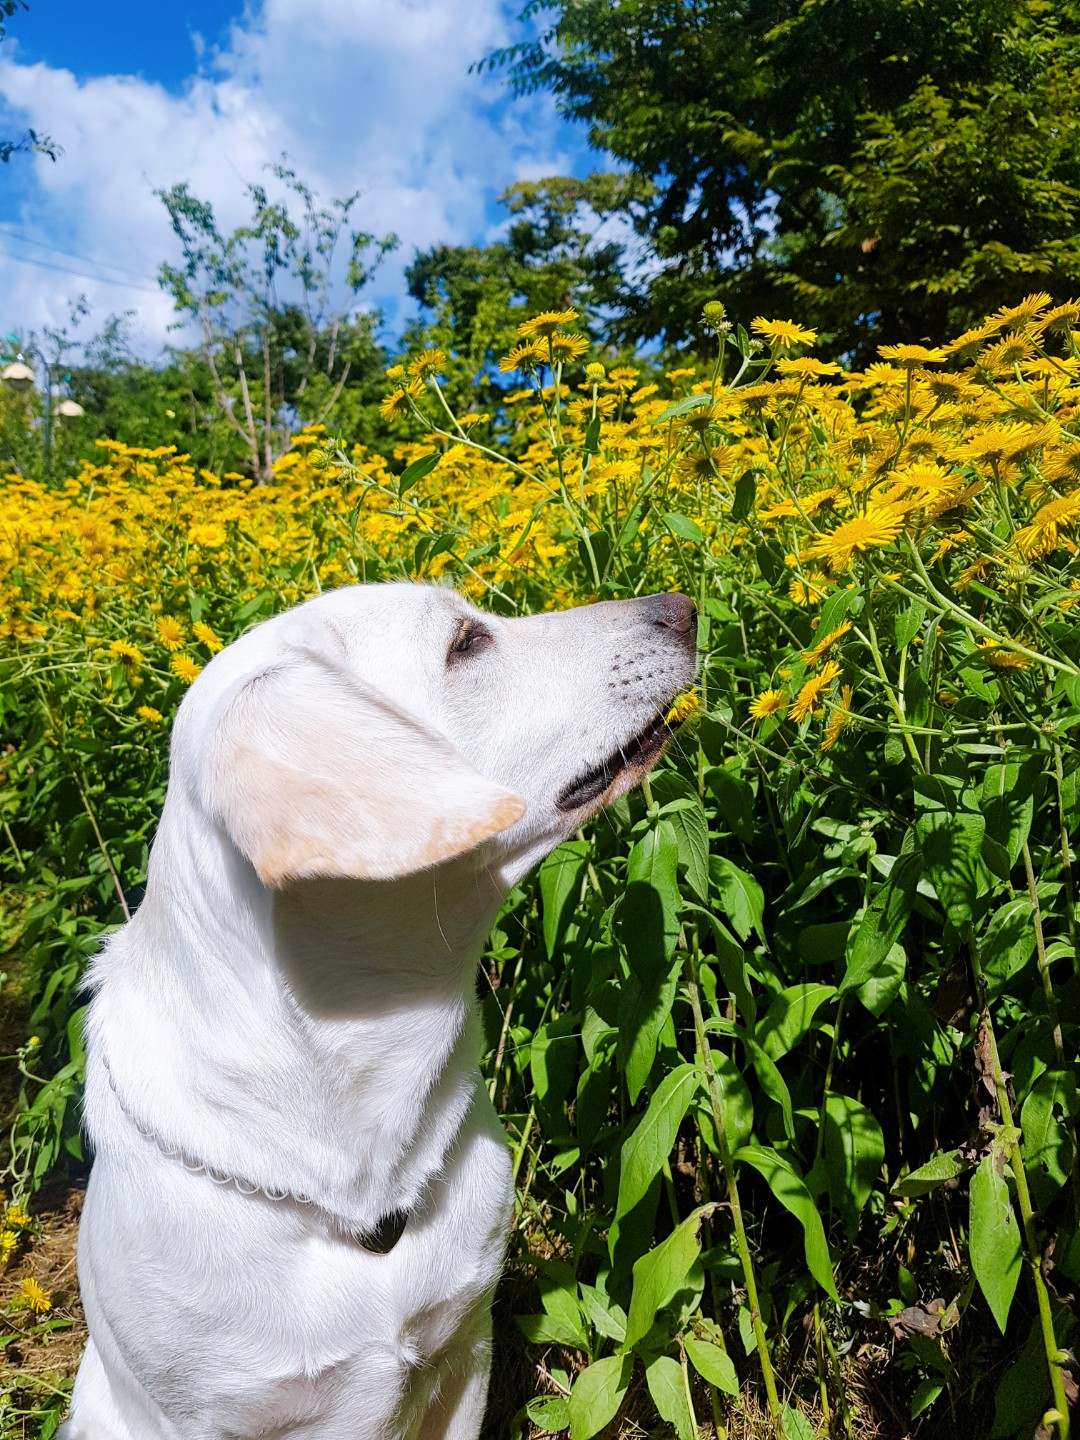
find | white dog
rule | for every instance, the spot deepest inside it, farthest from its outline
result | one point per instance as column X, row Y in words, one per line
column 300, row 1195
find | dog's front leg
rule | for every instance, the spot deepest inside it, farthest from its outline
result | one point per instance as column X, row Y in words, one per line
column 457, row 1411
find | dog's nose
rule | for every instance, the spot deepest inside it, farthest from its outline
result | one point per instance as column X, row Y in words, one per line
column 672, row 612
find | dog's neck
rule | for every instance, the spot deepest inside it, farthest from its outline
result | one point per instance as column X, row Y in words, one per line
column 318, row 1038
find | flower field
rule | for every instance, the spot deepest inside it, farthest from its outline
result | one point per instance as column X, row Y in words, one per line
column 786, row 1044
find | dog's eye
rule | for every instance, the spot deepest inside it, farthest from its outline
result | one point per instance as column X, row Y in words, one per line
column 471, row 637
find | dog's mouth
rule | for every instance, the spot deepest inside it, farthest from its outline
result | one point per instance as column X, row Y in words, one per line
column 636, row 755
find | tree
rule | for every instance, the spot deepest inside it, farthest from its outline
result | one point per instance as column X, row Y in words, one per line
column 559, row 252
column 878, row 168
column 29, row 141
column 279, row 345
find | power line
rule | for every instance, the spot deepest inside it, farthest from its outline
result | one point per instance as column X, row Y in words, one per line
column 23, row 238
column 80, row 274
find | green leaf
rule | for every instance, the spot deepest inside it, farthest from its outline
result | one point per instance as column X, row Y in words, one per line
column 712, row 1364
column 553, row 1330
column 878, row 993
column 597, row 1394
column 421, row 467
column 745, row 495
column 734, row 798
column 880, row 927
column 731, row 963
column 795, row 1426
column 647, row 918
column 664, row 1377
column 946, row 1165
column 683, row 407
column 660, row 1274
column 592, row 436
column 907, row 622
column 926, row 1392
column 835, row 608
column 854, row 1154
column 1007, row 944
column 1051, row 1102
column 950, row 847
column 644, row 1006
column 602, row 1313
column 683, row 527
column 993, row 1237
column 738, row 1103
column 692, row 833
column 790, row 1189
column 741, row 897
column 1007, row 801
column 560, row 881
column 772, row 1082
column 549, row 1412
column 644, row 1153
column 790, row 1016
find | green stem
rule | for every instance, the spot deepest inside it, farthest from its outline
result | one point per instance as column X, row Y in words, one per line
column 1066, row 860
column 1014, row 1155
column 870, row 640
column 741, row 1243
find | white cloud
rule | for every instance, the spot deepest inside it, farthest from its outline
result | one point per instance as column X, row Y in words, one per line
column 374, row 95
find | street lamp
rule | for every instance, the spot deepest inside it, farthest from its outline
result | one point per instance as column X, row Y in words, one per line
column 18, row 376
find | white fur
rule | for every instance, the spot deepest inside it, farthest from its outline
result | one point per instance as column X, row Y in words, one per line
column 315, row 1032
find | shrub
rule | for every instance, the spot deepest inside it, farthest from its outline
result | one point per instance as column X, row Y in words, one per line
column 786, row 1044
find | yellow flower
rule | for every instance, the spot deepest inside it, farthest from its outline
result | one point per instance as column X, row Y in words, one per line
column 841, row 716
column 1001, row 659
column 810, row 591
column 565, row 348
column 595, row 372
column 1007, row 353
column 8, row 1242
column 170, row 632
column 129, row 654
column 878, row 525
column 16, row 1217
column 546, row 323
column 1042, row 535
column 911, row 355
column 398, row 401
column 807, row 368
column 812, row 691
column 147, row 712
column 396, row 372
column 185, row 668
column 683, row 708
column 811, row 657
column 783, row 332
column 769, row 702
column 1026, row 311
column 430, row 362
column 35, row 1298
column 529, row 356
column 209, row 536
column 207, row 636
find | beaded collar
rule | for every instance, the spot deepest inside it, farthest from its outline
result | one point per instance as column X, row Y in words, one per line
column 380, row 1240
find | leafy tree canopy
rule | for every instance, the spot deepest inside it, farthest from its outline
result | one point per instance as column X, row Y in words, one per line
column 560, row 251
column 878, row 168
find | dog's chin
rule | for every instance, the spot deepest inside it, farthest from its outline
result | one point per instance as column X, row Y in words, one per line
column 619, row 773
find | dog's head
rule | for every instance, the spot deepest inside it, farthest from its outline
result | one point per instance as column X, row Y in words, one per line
column 382, row 729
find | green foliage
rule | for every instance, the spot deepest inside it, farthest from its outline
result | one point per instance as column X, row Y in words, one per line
column 881, row 170
column 278, row 351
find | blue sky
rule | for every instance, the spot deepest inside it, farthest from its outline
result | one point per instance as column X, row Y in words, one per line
column 373, row 95
column 156, row 39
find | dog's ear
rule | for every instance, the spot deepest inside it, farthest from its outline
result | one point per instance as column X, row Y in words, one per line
column 313, row 774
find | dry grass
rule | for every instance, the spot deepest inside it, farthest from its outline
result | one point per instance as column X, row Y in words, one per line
column 41, row 1352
